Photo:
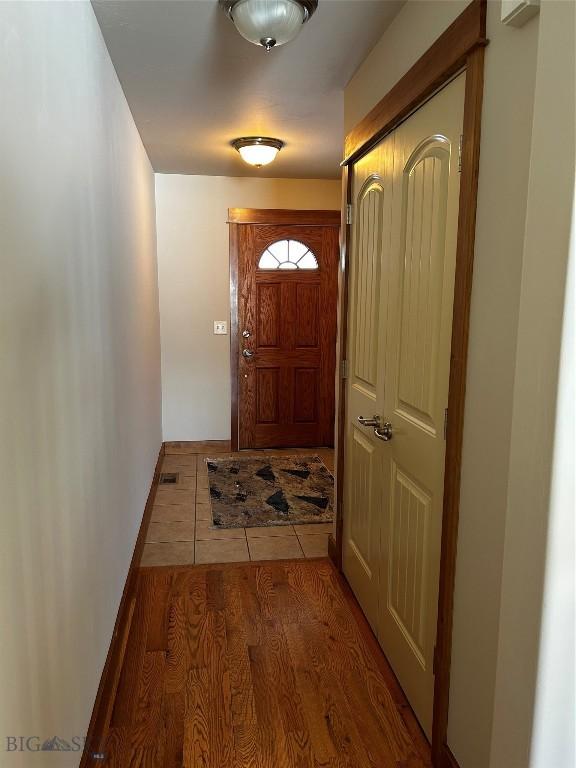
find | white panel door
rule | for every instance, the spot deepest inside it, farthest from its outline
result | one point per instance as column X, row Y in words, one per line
column 363, row 499
column 403, row 254
column 426, row 189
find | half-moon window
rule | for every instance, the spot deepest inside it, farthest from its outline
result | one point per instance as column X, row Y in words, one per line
column 288, row 254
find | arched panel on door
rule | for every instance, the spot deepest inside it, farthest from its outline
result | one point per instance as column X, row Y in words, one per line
column 423, row 227
column 372, row 212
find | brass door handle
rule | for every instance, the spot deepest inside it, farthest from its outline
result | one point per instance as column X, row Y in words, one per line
column 248, row 354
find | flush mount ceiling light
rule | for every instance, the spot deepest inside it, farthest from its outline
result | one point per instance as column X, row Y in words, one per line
column 269, row 23
column 257, row 150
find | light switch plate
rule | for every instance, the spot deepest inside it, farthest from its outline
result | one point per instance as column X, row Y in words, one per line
column 220, row 327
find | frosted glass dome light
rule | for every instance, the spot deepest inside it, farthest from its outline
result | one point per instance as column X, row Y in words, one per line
column 269, row 23
column 257, row 150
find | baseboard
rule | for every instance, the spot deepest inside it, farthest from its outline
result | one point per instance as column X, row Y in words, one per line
column 183, row 447
column 448, row 759
column 102, row 711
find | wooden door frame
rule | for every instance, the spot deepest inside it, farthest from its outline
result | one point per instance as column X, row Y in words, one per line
column 236, row 218
column 459, row 49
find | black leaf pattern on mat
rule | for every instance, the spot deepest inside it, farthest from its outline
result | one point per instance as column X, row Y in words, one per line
column 304, row 474
column 267, row 474
column 243, row 502
column 215, row 493
column 212, row 467
column 278, row 501
column 318, row 501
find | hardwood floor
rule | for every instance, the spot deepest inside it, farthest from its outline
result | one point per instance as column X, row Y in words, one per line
column 256, row 665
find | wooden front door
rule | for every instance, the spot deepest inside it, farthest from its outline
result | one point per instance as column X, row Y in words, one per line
column 284, row 333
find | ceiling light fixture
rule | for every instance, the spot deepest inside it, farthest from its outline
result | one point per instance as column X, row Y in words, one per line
column 269, row 23
column 257, row 150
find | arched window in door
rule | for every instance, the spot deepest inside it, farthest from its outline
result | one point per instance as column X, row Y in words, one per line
column 288, row 254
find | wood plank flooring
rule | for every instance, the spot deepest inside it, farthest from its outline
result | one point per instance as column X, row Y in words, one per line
column 256, row 665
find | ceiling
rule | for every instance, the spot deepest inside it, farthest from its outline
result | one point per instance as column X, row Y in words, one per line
column 194, row 84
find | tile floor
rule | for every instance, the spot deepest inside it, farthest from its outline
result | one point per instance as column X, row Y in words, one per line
column 180, row 530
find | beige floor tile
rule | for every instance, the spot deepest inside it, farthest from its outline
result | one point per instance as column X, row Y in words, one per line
column 186, row 463
column 203, row 512
column 275, row 548
column 173, row 514
column 187, row 456
column 169, row 495
column 307, row 529
column 167, row 531
column 188, row 481
column 270, row 530
column 314, row 546
column 173, row 553
column 202, row 483
column 202, row 496
column 183, row 482
column 222, row 551
column 188, row 472
column 204, row 532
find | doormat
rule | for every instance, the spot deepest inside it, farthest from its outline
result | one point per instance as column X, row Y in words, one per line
column 254, row 491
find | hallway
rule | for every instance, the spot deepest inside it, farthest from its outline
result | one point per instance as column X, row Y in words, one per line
column 232, row 227
column 262, row 665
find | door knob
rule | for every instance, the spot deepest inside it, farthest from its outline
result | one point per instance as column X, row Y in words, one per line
column 248, row 354
column 384, row 432
column 246, row 334
column 373, row 422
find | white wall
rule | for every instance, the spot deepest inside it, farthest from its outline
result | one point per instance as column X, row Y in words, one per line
column 80, row 365
column 554, row 735
column 193, row 268
column 503, row 188
column 536, row 636
column 501, row 214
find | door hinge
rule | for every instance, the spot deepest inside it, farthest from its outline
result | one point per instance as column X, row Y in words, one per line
column 344, row 369
column 460, row 153
column 445, row 422
column 349, row 213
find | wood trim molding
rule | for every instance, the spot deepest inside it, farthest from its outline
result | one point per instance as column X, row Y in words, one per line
column 104, row 702
column 234, row 341
column 448, row 759
column 283, row 216
column 457, row 389
column 335, row 544
column 460, row 48
column 443, row 59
